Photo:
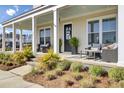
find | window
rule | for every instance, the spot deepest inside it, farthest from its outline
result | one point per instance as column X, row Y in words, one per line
column 44, row 36
column 109, row 30
column 93, row 32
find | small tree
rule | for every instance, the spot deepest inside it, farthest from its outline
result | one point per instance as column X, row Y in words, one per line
column 74, row 42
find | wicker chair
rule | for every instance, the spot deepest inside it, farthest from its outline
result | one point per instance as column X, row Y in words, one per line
column 110, row 55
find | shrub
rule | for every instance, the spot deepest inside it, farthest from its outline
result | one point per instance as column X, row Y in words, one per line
column 96, row 70
column 5, row 57
column 40, row 71
column 68, row 81
column 94, row 79
column 8, row 49
column 4, row 63
column 64, row 65
column 27, row 51
column 121, row 84
column 34, row 71
column 18, row 58
column 116, row 74
column 2, row 56
column 59, row 72
column 9, row 64
column 77, row 76
column 48, row 61
column 50, row 76
column 76, row 67
column 87, row 84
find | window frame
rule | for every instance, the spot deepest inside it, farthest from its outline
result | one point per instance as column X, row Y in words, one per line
column 109, row 31
column 100, row 18
column 93, row 32
column 44, row 29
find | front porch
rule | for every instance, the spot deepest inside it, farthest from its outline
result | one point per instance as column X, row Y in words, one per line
column 52, row 25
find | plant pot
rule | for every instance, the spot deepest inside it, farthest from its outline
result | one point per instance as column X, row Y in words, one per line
column 60, row 50
column 74, row 50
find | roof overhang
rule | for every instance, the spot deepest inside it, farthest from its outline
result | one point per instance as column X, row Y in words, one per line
column 33, row 12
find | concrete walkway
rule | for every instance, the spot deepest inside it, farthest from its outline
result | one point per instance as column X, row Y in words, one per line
column 13, row 78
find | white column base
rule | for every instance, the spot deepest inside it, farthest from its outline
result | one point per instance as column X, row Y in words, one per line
column 120, row 63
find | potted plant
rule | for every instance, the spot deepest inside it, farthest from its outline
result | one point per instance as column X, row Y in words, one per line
column 74, row 42
column 60, row 45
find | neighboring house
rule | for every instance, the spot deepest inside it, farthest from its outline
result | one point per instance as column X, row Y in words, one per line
column 96, row 24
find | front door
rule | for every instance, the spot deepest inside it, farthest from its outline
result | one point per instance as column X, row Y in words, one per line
column 67, row 37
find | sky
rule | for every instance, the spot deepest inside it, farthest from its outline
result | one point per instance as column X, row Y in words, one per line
column 10, row 11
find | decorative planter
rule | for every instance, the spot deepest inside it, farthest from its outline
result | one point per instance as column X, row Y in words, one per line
column 74, row 50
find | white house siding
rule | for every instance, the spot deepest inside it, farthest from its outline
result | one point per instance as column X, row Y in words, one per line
column 78, row 27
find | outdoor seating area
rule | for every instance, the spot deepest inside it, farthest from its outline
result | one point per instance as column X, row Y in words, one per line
column 107, row 53
column 44, row 48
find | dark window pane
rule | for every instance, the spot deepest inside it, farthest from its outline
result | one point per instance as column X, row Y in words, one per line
column 93, row 29
column 109, row 37
column 93, row 38
column 109, row 24
column 47, row 35
column 42, row 36
column 42, row 40
column 93, row 26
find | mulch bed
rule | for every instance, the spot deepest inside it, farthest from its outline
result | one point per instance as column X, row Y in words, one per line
column 60, row 83
column 6, row 68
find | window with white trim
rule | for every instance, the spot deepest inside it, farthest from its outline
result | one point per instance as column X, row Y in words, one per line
column 93, row 32
column 108, row 30
column 102, row 31
column 44, row 36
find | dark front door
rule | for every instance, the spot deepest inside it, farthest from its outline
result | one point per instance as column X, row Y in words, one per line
column 67, row 37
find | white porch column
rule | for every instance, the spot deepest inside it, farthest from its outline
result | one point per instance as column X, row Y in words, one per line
column 3, row 40
column 20, row 39
column 14, row 37
column 56, row 31
column 121, row 35
column 34, row 37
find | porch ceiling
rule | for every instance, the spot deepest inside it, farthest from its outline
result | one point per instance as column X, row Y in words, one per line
column 44, row 18
column 25, row 24
column 82, row 9
column 72, row 10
